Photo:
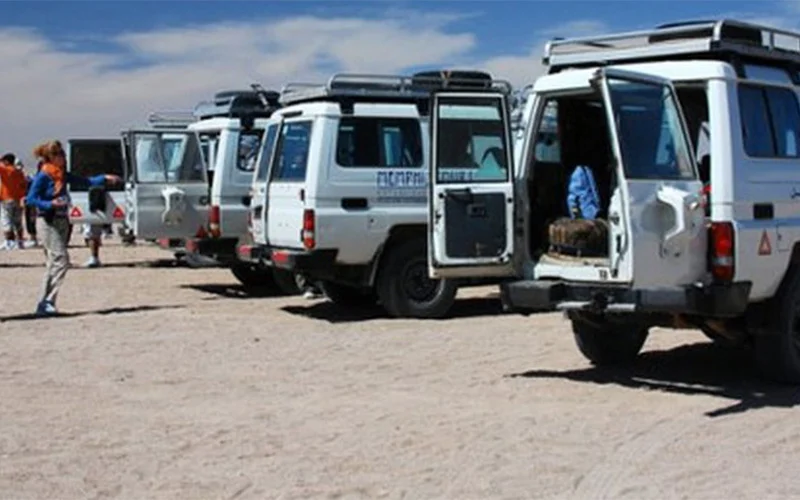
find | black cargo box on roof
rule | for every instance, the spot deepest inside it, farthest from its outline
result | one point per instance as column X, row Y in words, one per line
column 728, row 32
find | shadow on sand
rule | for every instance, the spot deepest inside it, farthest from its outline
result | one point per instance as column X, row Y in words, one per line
column 102, row 312
column 704, row 369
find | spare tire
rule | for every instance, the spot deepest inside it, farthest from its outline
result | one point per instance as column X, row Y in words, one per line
column 579, row 237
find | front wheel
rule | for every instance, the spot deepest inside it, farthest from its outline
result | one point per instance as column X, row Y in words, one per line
column 605, row 342
column 404, row 288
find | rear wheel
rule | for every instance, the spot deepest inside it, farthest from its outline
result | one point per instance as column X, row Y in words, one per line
column 347, row 296
column 605, row 342
column 285, row 281
column 777, row 350
column 252, row 275
column 404, row 288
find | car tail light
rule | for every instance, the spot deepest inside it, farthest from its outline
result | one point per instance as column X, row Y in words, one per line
column 308, row 236
column 722, row 251
column 213, row 221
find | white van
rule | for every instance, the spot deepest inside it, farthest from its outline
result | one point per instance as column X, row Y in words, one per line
column 729, row 268
column 341, row 188
column 188, row 182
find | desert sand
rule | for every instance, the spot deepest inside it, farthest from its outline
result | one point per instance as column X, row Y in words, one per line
column 167, row 382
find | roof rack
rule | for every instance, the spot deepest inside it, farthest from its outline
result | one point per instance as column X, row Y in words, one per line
column 256, row 103
column 171, row 119
column 388, row 88
column 724, row 39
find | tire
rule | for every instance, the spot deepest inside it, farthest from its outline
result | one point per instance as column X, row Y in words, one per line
column 404, row 288
column 285, row 281
column 777, row 349
column 607, row 343
column 347, row 296
column 253, row 276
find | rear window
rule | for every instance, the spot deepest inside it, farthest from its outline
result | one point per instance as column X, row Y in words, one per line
column 379, row 142
column 471, row 144
column 249, row 143
column 291, row 159
column 94, row 157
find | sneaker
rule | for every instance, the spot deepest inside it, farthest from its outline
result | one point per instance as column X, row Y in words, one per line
column 46, row 308
column 311, row 294
column 92, row 263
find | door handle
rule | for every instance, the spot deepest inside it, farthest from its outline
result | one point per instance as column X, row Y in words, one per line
column 464, row 194
column 354, row 203
column 613, row 218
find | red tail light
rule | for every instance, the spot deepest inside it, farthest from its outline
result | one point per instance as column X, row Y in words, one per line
column 722, row 251
column 213, row 221
column 309, row 240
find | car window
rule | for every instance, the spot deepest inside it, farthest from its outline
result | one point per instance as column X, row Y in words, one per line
column 247, row 152
column 291, row 159
column 265, row 155
column 378, row 142
column 547, row 147
column 471, row 143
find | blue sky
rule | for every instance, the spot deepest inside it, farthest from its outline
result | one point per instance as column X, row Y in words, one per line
column 92, row 68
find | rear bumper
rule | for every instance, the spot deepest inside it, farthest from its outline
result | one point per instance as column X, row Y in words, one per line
column 317, row 263
column 716, row 300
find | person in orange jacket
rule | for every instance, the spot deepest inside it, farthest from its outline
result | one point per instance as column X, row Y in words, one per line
column 13, row 186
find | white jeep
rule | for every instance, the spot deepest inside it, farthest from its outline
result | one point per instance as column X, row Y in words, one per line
column 341, row 188
column 629, row 107
column 188, row 180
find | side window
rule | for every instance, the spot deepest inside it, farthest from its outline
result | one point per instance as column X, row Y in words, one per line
column 291, row 159
column 547, row 147
column 785, row 115
column 266, row 153
column 755, row 122
column 208, row 147
column 471, row 141
column 770, row 121
column 378, row 142
column 247, row 152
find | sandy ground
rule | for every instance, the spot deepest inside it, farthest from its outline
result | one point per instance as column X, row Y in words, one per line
column 167, row 382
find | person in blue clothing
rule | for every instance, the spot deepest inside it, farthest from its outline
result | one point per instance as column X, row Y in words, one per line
column 48, row 193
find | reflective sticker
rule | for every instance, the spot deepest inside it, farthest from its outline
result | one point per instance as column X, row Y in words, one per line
column 76, row 212
column 118, row 213
column 764, row 248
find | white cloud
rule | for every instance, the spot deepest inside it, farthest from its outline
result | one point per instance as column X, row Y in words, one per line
column 52, row 91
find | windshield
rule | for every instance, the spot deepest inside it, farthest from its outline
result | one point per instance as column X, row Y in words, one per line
column 651, row 135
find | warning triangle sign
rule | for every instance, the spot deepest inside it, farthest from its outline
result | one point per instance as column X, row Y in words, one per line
column 764, row 248
column 76, row 212
column 118, row 213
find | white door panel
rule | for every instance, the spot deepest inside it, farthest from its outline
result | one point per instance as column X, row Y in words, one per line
column 167, row 193
column 471, row 226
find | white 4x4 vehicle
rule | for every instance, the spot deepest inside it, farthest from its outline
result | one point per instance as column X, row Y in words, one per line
column 341, row 188
column 629, row 107
column 188, row 183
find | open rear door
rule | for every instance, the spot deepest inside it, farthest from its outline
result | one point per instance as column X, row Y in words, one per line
column 166, row 184
column 471, row 202
column 101, row 204
column 259, row 205
column 656, row 217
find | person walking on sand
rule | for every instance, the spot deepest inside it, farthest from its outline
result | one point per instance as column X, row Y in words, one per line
column 29, row 211
column 50, row 197
column 12, row 192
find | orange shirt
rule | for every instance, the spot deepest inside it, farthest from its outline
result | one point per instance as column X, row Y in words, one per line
column 12, row 183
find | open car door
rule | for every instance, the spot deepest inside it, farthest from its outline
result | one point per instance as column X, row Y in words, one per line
column 166, row 184
column 656, row 216
column 471, row 201
column 100, row 204
column 259, row 205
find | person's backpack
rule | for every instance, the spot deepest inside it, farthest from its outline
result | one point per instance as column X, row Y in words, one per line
column 583, row 200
